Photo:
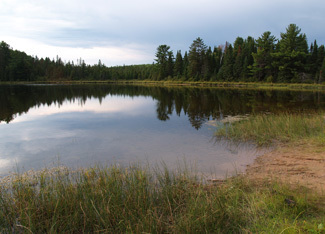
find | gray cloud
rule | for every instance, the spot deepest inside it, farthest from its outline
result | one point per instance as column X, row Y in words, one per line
column 143, row 24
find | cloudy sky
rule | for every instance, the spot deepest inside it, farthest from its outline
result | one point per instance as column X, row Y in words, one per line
column 128, row 31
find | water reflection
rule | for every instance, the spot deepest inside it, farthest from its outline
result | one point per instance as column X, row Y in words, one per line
column 198, row 104
column 111, row 105
column 84, row 125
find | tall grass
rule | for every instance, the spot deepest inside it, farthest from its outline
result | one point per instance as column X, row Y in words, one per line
column 137, row 199
column 265, row 129
column 189, row 83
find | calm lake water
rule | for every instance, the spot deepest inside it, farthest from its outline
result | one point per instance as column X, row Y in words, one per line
column 83, row 125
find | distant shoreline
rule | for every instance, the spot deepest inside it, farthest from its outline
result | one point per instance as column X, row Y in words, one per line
column 243, row 85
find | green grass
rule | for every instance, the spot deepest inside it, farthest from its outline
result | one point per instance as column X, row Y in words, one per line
column 219, row 84
column 266, row 129
column 143, row 200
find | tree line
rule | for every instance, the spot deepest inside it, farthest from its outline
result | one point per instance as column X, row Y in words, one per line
column 266, row 59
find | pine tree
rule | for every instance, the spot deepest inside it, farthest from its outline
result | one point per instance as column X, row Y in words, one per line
column 312, row 59
column 226, row 71
column 238, row 58
column 248, row 50
column 291, row 58
column 208, row 65
column 196, row 58
column 293, row 40
column 178, row 67
column 4, row 60
column 218, row 59
column 162, row 55
column 262, row 66
column 170, row 64
column 322, row 73
column 185, row 66
column 320, row 57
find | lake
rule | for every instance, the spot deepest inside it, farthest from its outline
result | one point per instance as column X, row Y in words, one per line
column 84, row 125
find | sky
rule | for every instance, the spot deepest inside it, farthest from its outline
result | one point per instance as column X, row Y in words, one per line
column 125, row 32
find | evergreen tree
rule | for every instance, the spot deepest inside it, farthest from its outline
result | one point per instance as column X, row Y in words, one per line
column 291, row 58
column 312, row 59
column 196, row 57
column 248, row 50
column 322, row 73
column 4, row 60
column 162, row 56
column 218, row 59
column 238, row 58
column 226, row 71
column 178, row 67
column 170, row 64
column 320, row 57
column 20, row 67
column 238, row 45
column 262, row 66
column 185, row 66
column 293, row 40
column 208, row 63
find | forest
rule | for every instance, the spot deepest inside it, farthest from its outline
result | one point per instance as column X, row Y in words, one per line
column 288, row 59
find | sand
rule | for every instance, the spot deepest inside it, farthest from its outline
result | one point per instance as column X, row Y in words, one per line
column 296, row 164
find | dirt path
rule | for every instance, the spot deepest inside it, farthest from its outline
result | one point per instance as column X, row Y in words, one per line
column 302, row 163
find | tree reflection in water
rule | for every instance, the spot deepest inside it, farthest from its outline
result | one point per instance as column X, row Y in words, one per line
column 199, row 104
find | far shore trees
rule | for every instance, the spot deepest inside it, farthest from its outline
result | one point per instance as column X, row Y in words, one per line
column 4, row 60
column 163, row 58
column 196, row 57
column 267, row 59
column 262, row 67
column 291, row 57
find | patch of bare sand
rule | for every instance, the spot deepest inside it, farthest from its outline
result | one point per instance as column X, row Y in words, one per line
column 300, row 163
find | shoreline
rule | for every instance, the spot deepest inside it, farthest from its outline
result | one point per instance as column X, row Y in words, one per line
column 201, row 84
column 296, row 164
column 298, row 156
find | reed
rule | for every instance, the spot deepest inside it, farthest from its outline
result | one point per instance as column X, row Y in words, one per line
column 187, row 83
column 139, row 199
column 267, row 129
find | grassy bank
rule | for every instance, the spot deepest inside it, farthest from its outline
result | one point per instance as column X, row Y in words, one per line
column 298, row 155
column 136, row 199
column 244, row 85
column 266, row 129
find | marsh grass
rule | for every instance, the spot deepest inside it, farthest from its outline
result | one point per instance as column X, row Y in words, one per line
column 136, row 199
column 266, row 129
column 188, row 83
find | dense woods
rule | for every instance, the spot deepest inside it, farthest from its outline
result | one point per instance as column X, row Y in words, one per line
column 266, row 59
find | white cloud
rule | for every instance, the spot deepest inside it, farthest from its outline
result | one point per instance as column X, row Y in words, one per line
column 110, row 55
column 4, row 163
column 110, row 104
column 119, row 27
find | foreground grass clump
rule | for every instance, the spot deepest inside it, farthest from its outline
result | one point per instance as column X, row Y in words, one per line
column 136, row 199
column 265, row 129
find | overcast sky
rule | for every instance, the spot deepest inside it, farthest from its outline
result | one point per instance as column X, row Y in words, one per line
column 129, row 31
